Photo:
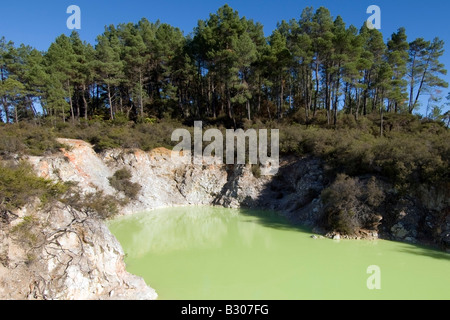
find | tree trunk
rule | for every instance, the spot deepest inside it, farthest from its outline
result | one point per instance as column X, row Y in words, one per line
column 121, row 102
column 375, row 100
column 5, row 106
column 141, row 104
column 347, row 98
column 259, row 93
column 228, row 102
column 411, row 84
column 365, row 103
column 358, row 103
column 366, row 91
column 209, row 111
column 85, row 103
column 336, row 100
column 305, row 96
column 281, row 98
column 111, row 112
column 63, row 114
column 381, row 121
column 328, row 97
column 16, row 117
column 267, row 105
column 317, row 89
column 77, row 103
column 214, row 99
column 422, row 80
column 71, row 104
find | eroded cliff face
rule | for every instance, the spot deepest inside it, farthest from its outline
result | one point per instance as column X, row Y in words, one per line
column 165, row 182
column 76, row 257
column 63, row 254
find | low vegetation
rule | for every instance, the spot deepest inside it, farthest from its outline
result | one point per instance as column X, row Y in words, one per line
column 351, row 205
column 413, row 153
column 19, row 185
column 122, row 183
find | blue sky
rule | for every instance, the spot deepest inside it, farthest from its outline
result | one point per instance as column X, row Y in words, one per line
column 38, row 23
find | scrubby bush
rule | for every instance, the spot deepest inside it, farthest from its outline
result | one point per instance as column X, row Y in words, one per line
column 19, row 185
column 26, row 232
column 127, row 135
column 351, row 204
column 122, row 183
column 341, row 205
column 374, row 195
column 97, row 203
column 256, row 171
column 27, row 138
column 410, row 153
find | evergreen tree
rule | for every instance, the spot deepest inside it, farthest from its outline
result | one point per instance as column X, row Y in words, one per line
column 226, row 69
column 397, row 57
column 109, row 68
column 424, row 69
column 60, row 61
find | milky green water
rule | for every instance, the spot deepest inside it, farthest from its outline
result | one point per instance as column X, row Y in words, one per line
column 214, row 253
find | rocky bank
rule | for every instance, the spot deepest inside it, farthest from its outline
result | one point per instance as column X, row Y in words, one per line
column 78, row 258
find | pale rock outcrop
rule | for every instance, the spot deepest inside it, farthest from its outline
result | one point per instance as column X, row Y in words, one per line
column 72, row 257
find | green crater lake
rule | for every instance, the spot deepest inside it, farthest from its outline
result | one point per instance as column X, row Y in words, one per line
column 215, row 253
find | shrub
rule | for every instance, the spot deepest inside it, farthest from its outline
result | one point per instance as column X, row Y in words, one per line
column 95, row 204
column 256, row 171
column 104, row 206
column 19, row 184
column 27, row 138
column 26, row 231
column 291, row 138
column 351, row 204
column 341, row 205
column 121, row 182
column 374, row 194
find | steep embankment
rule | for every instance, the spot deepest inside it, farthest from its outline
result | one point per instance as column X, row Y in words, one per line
column 63, row 254
column 74, row 256
column 366, row 206
column 169, row 183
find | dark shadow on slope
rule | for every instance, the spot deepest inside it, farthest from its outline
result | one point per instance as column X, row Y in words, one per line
column 287, row 201
column 273, row 219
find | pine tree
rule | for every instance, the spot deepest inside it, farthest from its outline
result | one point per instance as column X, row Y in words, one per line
column 60, row 62
column 83, row 72
column 136, row 59
column 280, row 61
column 424, row 69
column 322, row 37
column 6, row 59
column 397, row 57
column 108, row 65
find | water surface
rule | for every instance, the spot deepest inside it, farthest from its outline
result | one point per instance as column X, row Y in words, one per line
column 216, row 253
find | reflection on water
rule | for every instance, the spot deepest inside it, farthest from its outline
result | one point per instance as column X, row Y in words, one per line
column 170, row 230
column 216, row 253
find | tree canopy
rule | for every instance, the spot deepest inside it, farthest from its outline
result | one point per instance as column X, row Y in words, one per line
column 226, row 68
